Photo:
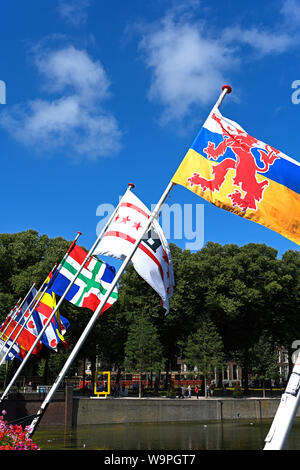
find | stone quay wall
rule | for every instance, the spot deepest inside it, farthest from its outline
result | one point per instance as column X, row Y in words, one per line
column 113, row 411
column 68, row 410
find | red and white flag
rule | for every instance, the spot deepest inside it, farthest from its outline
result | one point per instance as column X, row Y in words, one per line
column 152, row 260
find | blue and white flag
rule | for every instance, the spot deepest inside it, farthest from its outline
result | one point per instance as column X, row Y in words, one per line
column 15, row 351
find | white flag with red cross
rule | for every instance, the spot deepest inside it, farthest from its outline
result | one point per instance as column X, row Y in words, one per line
column 152, row 260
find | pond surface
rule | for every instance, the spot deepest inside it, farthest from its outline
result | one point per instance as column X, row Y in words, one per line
column 232, row 435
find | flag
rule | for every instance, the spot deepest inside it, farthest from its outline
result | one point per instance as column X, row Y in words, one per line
column 32, row 323
column 26, row 338
column 28, row 335
column 43, row 310
column 35, row 321
column 90, row 286
column 16, row 310
column 7, row 319
column 6, row 322
column 58, row 325
column 152, row 260
column 15, row 351
column 243, row 175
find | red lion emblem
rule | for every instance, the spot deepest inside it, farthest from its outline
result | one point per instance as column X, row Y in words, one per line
column 244, row 165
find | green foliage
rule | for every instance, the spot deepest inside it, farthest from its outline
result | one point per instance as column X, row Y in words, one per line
column 225, row 298
column 237, row 391
column 26, row 258
column 204, row 349
column 264, row 359
column 143, row 351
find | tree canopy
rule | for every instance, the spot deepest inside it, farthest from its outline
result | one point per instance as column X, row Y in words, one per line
column 243, row 292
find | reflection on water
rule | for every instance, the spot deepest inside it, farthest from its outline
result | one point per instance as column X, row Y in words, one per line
column 235, row 435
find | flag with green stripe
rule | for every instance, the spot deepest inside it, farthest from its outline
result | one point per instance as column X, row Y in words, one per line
column 91, row 285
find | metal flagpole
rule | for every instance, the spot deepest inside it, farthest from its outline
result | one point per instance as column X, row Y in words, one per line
column 130, row 185
column 16, row 311
column 286, row 412
column 225, row 89
column 95, row 315
column 29, row 309
column 93, row 319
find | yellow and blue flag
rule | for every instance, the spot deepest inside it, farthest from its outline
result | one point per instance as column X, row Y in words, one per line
column 58, row 325
column 241, row 174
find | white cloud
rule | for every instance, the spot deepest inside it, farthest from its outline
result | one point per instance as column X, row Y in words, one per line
column 261, row 41
column 190, row 59
column 291, row 12
column 71, row 68
column 73, row 121
column 73, row 11
column 187, row 66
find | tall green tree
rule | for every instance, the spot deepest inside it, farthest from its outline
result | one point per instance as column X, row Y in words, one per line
column 264, row 361
column 241, row 282
column 283, row 300
column 205, row 351
column 143, row 350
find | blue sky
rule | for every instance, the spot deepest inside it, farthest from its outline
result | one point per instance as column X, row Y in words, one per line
column 100, row 94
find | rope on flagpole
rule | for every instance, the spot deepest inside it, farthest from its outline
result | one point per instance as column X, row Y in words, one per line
column 21, row 420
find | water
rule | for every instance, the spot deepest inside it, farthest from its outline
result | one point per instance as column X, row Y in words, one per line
column 232, row 435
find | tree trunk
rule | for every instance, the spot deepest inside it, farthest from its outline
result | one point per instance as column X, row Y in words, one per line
column 219, row 379
column 290, row 359
column 46, row 368
column 140, row 385
column 245, row 371
column 93, row 372
column 203, row 385
column 83, row 373
column 118, row 374
column 167, row 374
column 6, row 374
column 157, row 382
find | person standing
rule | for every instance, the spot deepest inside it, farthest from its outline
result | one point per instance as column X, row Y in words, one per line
column 189, row 391
column 197, row 391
